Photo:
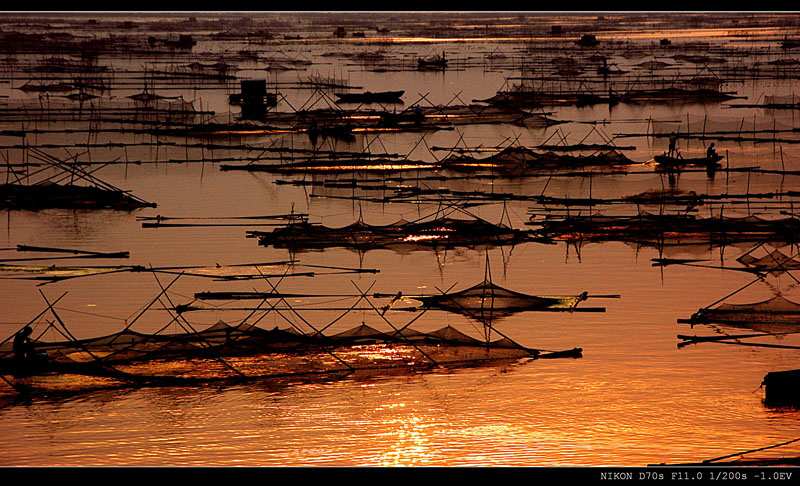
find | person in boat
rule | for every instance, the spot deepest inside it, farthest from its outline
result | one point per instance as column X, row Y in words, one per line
column 23, row 346
column 673, row 140
column 711, row 153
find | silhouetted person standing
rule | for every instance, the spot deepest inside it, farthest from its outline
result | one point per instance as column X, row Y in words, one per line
column 673, row 140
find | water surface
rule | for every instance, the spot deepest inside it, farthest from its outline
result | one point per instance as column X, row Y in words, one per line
column 634, row 398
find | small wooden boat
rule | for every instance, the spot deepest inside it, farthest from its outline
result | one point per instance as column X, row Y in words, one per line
column 370, row 97
column 788, row 43
column 435, row 62
column 671, row 163
column 587, row 40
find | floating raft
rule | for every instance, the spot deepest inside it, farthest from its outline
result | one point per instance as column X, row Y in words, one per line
column 224, row 353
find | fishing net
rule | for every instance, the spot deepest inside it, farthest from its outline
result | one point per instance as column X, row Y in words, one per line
column 521, row 159
column 774, row 260
column 776, row 310
column 54, row 108
column 224, row 353
column 487, row 300
column 665, row 227
column 791, row 99
column 181, row 352
column 439, row 232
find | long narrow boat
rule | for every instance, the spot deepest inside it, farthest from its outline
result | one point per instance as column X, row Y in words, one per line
column 370, row 97
column 672, row 163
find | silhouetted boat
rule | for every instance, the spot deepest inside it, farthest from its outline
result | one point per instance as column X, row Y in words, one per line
column 370, row 97
column 435, row 62
column 587, row 40
column 671, row 163
column 788, row 43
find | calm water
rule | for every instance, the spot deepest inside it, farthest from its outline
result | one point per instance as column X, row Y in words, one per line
column 633, row 399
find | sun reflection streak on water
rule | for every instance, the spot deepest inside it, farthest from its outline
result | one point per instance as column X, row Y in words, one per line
column 614, row 34
column 408, row 434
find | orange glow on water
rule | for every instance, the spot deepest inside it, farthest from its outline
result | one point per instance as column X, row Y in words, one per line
column 376, row 167
column 254, row 131
column 655, row 34
column 425, row 237
column 374, row 129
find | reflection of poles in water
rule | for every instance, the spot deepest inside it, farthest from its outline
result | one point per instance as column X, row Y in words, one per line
column 612, row 98
column 313, row 132
column 711, row 163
